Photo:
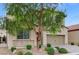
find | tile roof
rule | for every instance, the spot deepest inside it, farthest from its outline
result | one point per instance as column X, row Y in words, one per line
column 73, row 27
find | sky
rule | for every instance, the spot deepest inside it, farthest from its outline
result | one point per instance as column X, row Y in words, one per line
column 2, row 10
column 71, row 9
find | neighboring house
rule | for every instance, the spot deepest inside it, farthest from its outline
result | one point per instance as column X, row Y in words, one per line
column 73, row 34
column 24, row 38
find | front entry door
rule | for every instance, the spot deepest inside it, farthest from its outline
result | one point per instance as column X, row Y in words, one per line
column 39, row 40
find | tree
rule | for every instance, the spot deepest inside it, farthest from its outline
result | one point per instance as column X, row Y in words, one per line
column 38, row 17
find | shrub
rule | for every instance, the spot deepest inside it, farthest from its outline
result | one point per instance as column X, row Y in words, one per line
column 63, row 50
column 20, row 53
column 72, row 43
column 48, row 45
column 13, row 48
column 50, row 50
column 28, row 53
column 29, row 47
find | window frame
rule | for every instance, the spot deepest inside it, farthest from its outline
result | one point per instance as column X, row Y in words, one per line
column 24, row 38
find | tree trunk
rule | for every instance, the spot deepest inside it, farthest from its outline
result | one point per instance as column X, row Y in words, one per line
column 38, row 37
column 39, row 30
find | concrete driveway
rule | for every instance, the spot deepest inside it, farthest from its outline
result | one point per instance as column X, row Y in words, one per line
column 72, row 49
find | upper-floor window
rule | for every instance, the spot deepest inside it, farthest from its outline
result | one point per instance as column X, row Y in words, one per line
column 23, row 35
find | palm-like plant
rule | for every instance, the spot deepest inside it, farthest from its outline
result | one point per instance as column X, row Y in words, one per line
column 38, row 17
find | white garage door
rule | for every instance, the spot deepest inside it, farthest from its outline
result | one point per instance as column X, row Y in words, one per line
column 56, row 40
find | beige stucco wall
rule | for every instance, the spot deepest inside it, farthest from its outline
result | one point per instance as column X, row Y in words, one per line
column 2, row 32
column 13, row 41
column 73, row 36
column 10, row 39
column 22, row 43
column 33, row 37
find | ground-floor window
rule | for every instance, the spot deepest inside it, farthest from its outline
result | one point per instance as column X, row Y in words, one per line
column 23, row 35
column 3, row 39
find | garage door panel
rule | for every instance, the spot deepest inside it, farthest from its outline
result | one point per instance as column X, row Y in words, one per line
column 55, row 40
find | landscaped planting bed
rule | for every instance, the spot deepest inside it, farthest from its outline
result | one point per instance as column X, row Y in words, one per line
column 28, row 50
column 51, row 51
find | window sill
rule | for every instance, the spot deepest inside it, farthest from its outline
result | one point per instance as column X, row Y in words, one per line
column 21, row 40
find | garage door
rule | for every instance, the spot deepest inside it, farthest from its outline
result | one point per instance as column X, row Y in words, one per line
column 56, row 40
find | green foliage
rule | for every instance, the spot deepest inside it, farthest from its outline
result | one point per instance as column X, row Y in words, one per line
column 48, row 45
column 50, row 50
column 63, row 50
column 13, row 48
column 26, row 16
column 28, row 53
column 29, row 47
column 19, row 53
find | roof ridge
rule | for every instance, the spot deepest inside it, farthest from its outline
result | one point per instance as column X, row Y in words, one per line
column 73, row 27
